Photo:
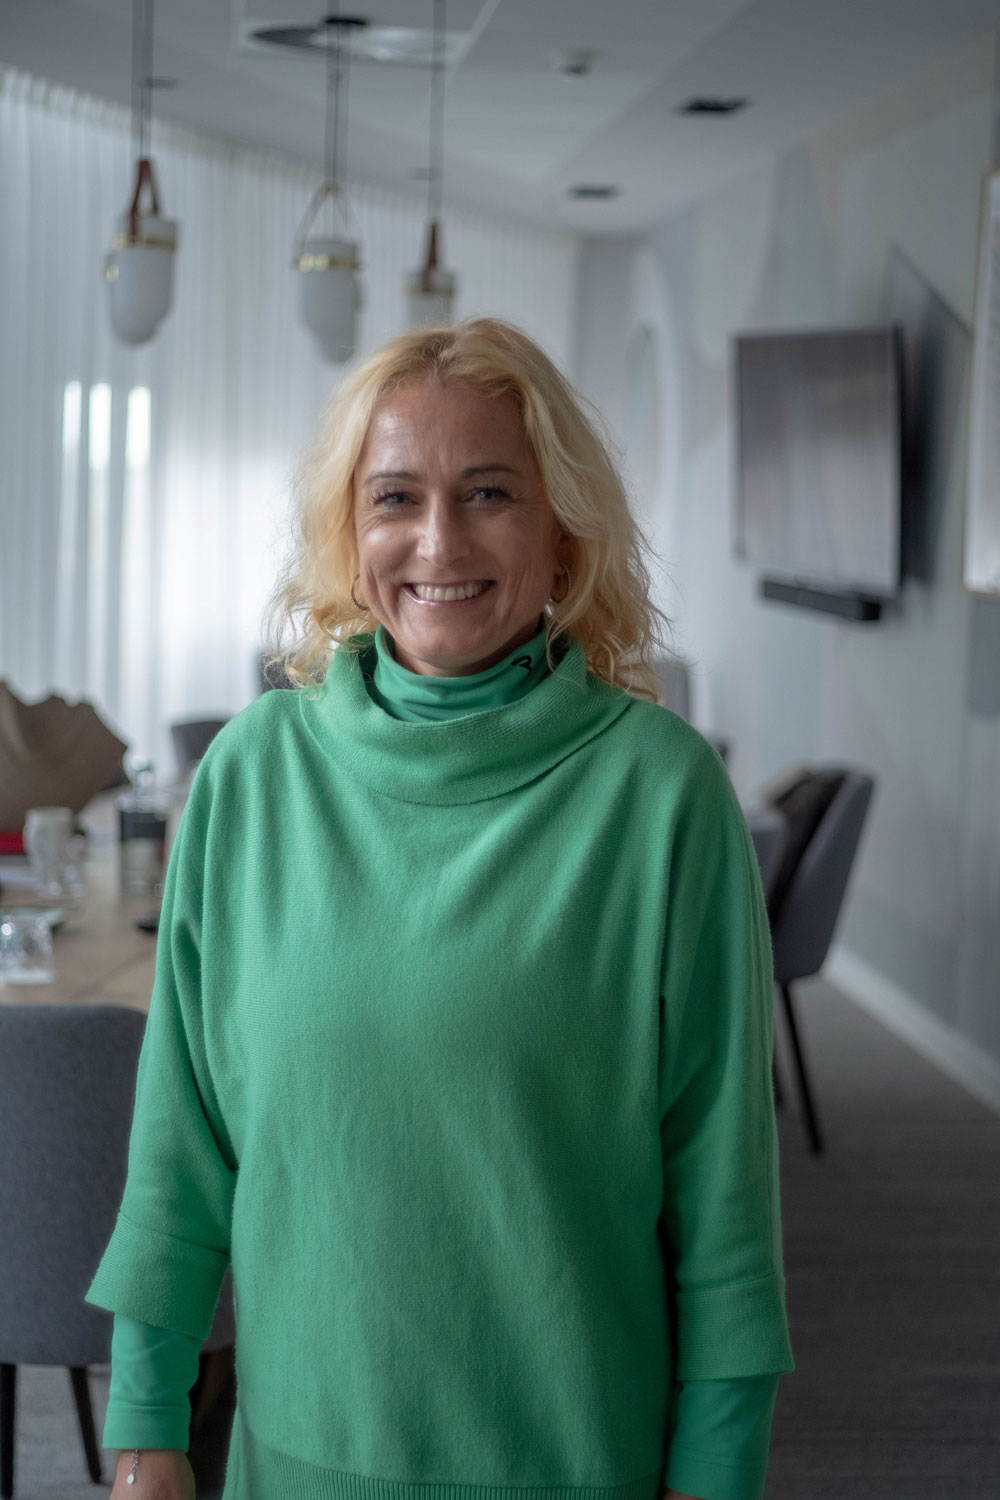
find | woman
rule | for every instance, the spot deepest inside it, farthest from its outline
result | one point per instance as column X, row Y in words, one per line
column 460, row 1042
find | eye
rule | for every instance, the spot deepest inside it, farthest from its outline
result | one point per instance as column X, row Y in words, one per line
column 490, row 492
column 390, row 499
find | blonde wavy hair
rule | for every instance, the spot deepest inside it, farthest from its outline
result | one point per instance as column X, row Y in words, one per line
column 606, row 607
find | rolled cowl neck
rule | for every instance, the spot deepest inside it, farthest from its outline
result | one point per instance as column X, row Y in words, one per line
column 419, row 699
column 467, row 758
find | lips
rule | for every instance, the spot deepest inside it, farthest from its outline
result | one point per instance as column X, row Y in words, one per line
column 449, row 593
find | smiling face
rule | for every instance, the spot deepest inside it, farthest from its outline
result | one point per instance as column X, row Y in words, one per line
column 458, row 547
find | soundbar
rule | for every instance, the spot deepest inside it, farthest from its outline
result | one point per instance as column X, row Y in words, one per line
column 846, row 606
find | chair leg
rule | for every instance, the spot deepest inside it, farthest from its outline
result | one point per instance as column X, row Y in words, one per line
column 85, row 1416
column 808, row 1107
column 8, row 1391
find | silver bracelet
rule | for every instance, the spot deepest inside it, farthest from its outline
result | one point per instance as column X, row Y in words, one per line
column 135, row 1464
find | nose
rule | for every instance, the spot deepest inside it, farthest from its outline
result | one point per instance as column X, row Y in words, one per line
column 443, row 537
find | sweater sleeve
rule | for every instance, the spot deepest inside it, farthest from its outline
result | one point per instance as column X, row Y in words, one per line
column 169, row 1249
column 722, row 1436
column 152, row 1371
column 720, row 1221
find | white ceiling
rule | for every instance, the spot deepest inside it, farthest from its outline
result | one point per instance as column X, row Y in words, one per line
column 519, row 134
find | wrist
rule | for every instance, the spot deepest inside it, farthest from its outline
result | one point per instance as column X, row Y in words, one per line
column 128, row 1463
column 140, row 1458
column 146, row 1472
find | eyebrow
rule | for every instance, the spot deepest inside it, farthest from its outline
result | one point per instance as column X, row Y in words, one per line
column 469, row 473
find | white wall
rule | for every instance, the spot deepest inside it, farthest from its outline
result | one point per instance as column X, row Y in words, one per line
column 821, row 236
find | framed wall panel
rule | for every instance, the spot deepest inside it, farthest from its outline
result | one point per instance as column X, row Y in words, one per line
column 982, row 519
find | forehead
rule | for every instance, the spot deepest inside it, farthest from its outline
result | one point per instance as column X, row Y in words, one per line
column 432, row 419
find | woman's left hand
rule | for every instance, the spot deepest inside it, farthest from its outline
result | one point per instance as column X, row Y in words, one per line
column 676, row 1495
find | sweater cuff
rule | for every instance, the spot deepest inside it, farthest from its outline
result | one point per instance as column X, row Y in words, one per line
column 710, row 1479
column 722, row 1436
column 147, row 1427
column 724, row 1332
column 158, row 1279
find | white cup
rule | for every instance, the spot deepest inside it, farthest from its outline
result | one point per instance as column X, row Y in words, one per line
column 47, row 832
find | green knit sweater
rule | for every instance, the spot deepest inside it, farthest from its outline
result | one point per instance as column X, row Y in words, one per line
column 490, row 997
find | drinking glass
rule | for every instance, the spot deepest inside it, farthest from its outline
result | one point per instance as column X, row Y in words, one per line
column 73, row 870
column 142, row 827
column 25, row 948
column 47, row 833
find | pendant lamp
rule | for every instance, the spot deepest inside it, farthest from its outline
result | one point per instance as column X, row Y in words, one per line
column 327, row 263
column 430, row 292
column 139, row 268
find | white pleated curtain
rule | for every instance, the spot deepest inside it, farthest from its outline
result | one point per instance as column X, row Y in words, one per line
column 144, row 492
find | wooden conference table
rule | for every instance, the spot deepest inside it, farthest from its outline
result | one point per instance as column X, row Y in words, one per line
column 99, row 955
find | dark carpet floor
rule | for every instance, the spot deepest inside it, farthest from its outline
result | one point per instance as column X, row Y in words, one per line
column 892, row 1260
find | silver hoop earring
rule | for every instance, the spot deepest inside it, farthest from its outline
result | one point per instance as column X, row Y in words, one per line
column 361, row 608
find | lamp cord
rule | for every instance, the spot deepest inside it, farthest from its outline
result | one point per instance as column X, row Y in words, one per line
column 338, row 58
column 436, row 173
column 344, row 113
column 142, row 76
column 332, row 104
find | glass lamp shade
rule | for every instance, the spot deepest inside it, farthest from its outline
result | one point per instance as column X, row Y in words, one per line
column 329, row 294
column 430, row 297
column 139, row 272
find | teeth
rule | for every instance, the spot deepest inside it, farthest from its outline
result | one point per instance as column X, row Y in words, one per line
column 454, row 591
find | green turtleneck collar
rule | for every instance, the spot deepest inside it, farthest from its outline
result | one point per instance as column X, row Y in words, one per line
column 466, row 758
column 429, row 700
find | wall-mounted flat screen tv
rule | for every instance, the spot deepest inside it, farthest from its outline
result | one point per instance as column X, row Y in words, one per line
column 818, row 458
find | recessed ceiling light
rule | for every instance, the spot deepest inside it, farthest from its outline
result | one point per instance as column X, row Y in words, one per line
column 594, row 190
column 704, row 105
column 575, row 64
column 381, row 44
column 303, row 38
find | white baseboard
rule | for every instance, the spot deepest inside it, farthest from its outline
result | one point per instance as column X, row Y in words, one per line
column 942, row 1046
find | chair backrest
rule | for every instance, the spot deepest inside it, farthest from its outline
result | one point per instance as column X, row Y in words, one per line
column 719, row 744
column 67, row 1089
column 803, row 923
column 675, row 680
column 673, row 675
column 192, row 738
column 768, row 831
column 271, row 675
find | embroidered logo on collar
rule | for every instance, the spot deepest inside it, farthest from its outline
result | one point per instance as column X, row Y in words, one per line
column 523, row 661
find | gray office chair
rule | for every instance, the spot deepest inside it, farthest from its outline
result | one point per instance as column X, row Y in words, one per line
column 769, row 832
column 673, row 675
column 271, row 675
column 191, row 739
column 675, row 683
column 808, row 889
column 67, row 1085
